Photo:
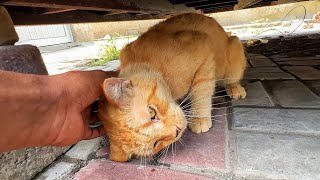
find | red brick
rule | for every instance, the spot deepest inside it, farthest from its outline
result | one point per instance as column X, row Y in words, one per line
column 104, row 170
column 202, row 150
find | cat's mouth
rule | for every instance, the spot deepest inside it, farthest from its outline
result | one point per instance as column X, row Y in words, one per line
column 177, row 133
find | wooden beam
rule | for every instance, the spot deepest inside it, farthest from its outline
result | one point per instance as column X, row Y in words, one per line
column 56, row 10
column 242, row 4
column 218, row 9
column 185, row 1
column 147, row 6
column 212, row 4
column 23, row 18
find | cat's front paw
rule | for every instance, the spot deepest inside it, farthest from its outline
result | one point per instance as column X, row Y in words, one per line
column 200, row 125
column 236, row 92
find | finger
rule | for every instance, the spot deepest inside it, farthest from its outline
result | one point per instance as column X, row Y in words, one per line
column 93, row 80
column 94, row 133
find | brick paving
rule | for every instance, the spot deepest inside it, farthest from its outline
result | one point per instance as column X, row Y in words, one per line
column 272, row 134
column 104, row 169
column 205, row 150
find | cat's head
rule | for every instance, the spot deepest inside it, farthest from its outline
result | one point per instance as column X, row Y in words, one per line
column 140, row 116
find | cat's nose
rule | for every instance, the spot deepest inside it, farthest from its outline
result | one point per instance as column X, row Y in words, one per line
column 178, row 130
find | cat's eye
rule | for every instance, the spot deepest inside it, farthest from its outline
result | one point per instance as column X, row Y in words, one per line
column 153, row 114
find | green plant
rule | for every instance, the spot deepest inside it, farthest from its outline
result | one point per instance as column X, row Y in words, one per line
column 111, row 52
column 107, row 53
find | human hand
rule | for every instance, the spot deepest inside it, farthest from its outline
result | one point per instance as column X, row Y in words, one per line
column 77, row 91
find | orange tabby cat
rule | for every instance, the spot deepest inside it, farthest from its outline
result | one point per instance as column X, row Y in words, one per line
column 189, row 53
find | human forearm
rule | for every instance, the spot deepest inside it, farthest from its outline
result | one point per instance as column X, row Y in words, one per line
column 37, row 110
column 24, row 102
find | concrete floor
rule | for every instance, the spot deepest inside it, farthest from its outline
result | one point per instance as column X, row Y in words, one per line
column 272, row 134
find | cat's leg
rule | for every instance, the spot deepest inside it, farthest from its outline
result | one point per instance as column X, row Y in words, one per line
column 234, row 71
column 200, row 111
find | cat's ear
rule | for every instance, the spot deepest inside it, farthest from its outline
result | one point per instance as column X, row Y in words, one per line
column 118, row 91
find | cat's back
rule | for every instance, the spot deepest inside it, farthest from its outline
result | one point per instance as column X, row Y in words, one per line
column 190, row 22
column 179, row 46
column 182, row 35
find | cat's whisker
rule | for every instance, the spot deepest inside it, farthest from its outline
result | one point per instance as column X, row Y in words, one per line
column 160, row 154
column 218, row 115
column 199, row 99
column 172, row 149
column 190, row 122
column 165, row 155
column 188, row 96
column 142, row 165
column 175, row 148
column 195, row 110
column 185, row 99
column 181, row 142
column 192, row 101
column 191, row 93
column 145, row 161
column 204, row 108
column 194, row 89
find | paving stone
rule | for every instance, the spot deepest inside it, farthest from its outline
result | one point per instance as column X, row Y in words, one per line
column 256, row 96
column 26, row 163
column 202, row 150
column 314, row 85
column 259, row 62
column 296, row 58
column 253, row 55
column 60, row 170
column 304, row 72
column 292, row 93
column 104, row 169
column 277, row 119
column 84, row 149
column 263, row 70
column 279, row 56
column 267, row 76
column 297, row 156
column 300, row 63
